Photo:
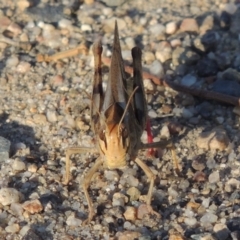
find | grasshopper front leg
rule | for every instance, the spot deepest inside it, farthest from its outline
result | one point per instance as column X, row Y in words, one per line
column 86, row 183
column 69, row 152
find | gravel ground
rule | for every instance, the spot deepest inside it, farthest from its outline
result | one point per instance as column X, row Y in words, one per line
column 45, row 109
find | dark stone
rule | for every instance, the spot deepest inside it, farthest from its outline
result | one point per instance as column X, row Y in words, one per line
column 234, row 224
column 205, row 110
column 226, row 87
column 207, row 67
column 225, row 20
column 31, row 235
column 230, row 75
column 224, row 60
column 223, row 234
column 210, row 40
column 52, row 198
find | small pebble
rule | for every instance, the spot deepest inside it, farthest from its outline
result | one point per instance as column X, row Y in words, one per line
column 189, row 25
column 119, row 199
column 230, row 8
column 190, row 221
column 32, row 168
column 111, row 175
column 18, row 165
column 207, row 24
column 130, row 214
column 163, row 51
column 148, row 57
column 23, row 67
column 171, row 27
column 32, row 206
column 157, row 69
column 214, row 177
column 208, row 218
column 51, row 116
column 16, row 209
column 128, row 235
column 14, row 228
column 73, row 221
column 9, row 195
column 12, row 61
column 157, row 29
column 215, row 139
column 133, row 193
column 64, row 23
column 148, row 85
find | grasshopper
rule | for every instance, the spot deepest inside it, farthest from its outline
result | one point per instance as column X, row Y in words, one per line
column 119, row 118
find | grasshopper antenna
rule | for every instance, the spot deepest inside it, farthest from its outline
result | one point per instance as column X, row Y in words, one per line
column 126, row 108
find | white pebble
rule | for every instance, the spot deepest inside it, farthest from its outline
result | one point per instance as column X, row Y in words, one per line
column 64, row 23
column 9, row 195
column 157, row 29
column 51, row 116
column 156, row 69
column 24, row 230
column 148, row 85
column 73, row 222
column 12, row 228
column 18, row 165
column 12, row 61
column 171, row 27
column 175, row 43
column 165, row 132
column 86, row 28
column 111, row 175
column 208, row 218
column 130, row 42
column 214, row 177
column 152, row 114
column 172, row 192
column 206, row 202
column 23, row 67
column 107, row 11
column 230, row 8
column 190, row 221
column 16, row 209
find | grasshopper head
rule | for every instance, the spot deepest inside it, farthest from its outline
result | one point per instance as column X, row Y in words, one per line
column 114, row 143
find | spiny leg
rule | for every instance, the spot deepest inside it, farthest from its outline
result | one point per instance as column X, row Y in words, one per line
column 86, row 183
column 151, row 177
column 69, row 152
column 176, row 167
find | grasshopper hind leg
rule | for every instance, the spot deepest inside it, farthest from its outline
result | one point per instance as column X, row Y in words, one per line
column 151, row 177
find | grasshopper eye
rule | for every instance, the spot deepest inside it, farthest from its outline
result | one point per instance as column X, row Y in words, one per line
column 124, row 135
column 102, row 136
